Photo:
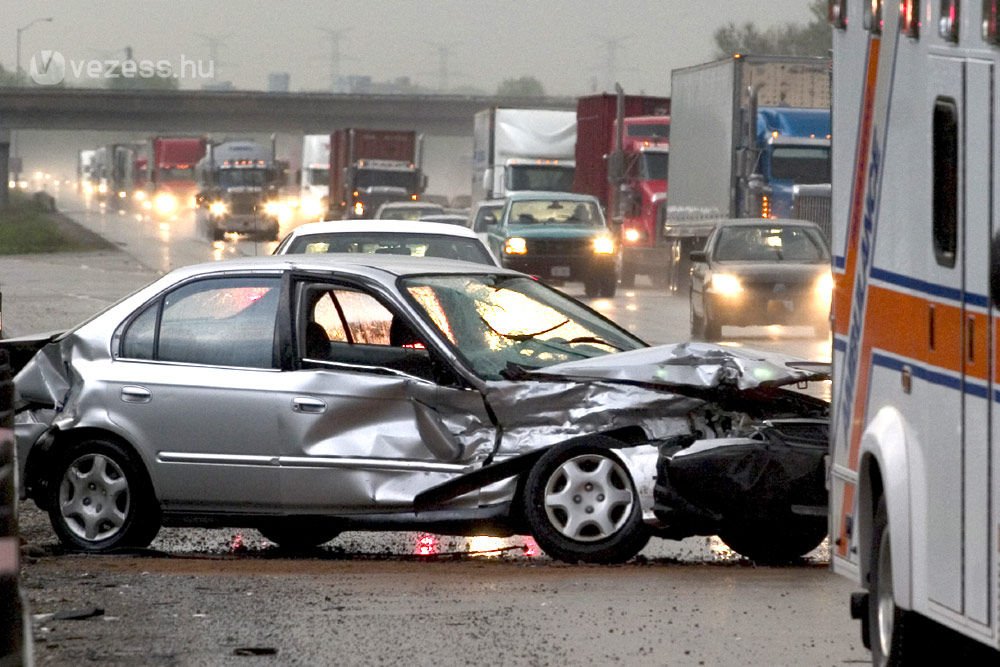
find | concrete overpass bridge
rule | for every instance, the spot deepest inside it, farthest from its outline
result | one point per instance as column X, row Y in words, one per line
column 199, row 111
column 239, row 112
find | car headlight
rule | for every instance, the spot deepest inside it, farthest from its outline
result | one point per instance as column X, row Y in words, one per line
column 359, row 208
column 311, row 208
column 165, row 203
column 604, row 245
column 824, row 290
column 515, row 245
column 140, row 195
column 218, row 208
column 725, row 284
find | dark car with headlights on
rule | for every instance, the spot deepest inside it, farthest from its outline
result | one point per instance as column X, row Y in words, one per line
column 304, row 395
column 755, row 272
column 558, row 236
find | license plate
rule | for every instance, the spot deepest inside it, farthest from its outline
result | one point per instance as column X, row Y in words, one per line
column 560, row 272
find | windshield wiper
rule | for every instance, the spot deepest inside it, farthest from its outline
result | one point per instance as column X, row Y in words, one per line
column 521, row 337
column 594, row 339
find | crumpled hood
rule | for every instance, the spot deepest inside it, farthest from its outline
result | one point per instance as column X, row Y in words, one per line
column 695, row 365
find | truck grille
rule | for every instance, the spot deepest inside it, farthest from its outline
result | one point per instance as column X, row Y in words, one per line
column 562, row 247
column 812, row 202
column 243, row 203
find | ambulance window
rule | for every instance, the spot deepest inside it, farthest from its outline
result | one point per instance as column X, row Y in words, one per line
column 945, row 181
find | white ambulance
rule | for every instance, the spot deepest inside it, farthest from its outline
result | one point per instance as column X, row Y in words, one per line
column 915, row 444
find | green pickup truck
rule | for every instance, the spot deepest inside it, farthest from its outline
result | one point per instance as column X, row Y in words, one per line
column 558, row 237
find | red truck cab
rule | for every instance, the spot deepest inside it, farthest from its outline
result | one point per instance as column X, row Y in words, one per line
column 171, row 174
column 631, row 188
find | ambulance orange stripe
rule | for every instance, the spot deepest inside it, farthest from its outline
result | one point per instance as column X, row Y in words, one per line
column 845, row 283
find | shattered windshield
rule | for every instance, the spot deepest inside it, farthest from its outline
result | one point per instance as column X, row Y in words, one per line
column 505, row 324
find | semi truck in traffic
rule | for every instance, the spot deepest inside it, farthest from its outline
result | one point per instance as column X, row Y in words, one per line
column 627, row 172
column 522, row 149
column 371, row 167
column 314, row 176
column 172, row 173
column 118, row 172
column 915, row 440
column 239, row 188
column 749, row 138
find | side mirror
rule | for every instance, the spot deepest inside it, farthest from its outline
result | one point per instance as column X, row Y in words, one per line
column 698, row 256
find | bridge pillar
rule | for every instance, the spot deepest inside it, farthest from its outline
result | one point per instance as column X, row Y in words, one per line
column 4, row 167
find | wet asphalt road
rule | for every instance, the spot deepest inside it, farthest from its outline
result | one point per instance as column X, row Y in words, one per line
column 401, row 597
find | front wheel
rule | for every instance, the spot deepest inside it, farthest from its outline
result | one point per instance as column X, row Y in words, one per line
column 101, row 498
column 896, row 635
column 776, row 541
column 581, row 504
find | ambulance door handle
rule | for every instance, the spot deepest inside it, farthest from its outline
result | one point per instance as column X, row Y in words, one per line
column 970, row 332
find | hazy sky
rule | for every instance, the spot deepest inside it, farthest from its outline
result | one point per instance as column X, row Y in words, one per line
column 569, row 45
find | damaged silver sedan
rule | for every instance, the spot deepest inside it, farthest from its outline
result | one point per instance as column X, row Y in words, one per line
column 304, row 396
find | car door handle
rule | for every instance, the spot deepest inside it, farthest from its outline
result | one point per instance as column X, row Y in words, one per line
column 133, row 394
column 308, row 405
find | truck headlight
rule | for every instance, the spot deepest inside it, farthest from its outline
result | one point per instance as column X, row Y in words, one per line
column 272, row 209
column 633, row 235
column 165, row 203
column 515, row 245
column 359, row 208
column 604, row 245
column 218, row 208
column 725, row 284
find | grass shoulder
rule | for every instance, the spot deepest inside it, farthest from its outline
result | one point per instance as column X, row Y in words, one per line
column 30, row 225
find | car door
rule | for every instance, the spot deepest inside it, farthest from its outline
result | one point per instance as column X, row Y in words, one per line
column 191, row 387
column 373, row 417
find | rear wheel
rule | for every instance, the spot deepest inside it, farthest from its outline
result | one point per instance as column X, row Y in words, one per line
column 776, row 541
column 101, row 498
column 581, row 505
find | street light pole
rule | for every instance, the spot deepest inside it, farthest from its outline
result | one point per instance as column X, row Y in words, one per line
column 14, row 157
column 17, row 66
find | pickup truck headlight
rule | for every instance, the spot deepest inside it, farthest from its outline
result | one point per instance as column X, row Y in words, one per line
column 515, row 245
column 218, row 208
column 604, row 245
column 725, row 284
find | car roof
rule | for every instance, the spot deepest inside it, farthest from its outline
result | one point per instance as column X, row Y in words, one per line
column 357, row 264
column 410, row 204
column 567, row 196
column 773, row 222
column 382, row 225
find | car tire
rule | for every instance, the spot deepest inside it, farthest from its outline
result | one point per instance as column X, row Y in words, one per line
column 581, row 504
column 711, row 327
column 776, row 541
column 897, row 637
column 608, row 285
column 298, row 534
column 101, row 498
column 697, row 323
